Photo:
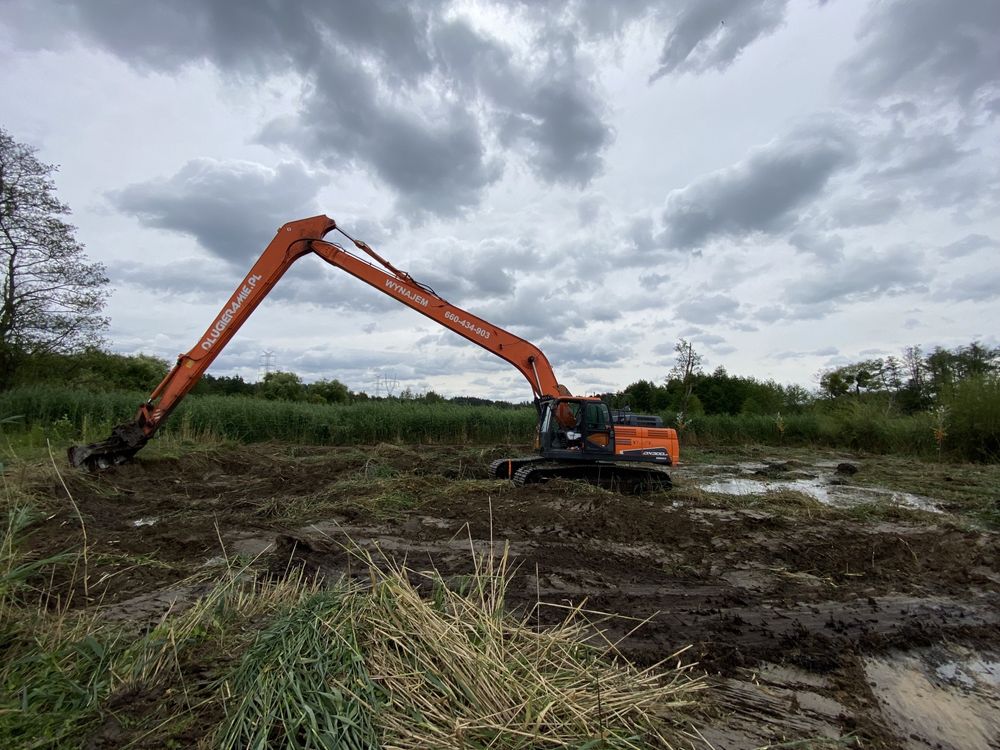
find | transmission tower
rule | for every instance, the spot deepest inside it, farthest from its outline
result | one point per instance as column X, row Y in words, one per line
column 266, row 364
column 386, row 385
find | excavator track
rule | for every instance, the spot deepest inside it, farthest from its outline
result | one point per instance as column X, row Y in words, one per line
column 626, row 479
column 506, row 468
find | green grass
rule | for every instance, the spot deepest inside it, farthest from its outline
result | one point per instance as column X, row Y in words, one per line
column 304, row 682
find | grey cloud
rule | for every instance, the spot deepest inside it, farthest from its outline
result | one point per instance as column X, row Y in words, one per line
column 913, row 155
column 599, row 18
column 770, row 313
column 975, row 287
column 200, row 278
column 968, row 245
column 539, row 308
column 363, row 369
column 588, row 209
column 403, row 89
column 698, row 337
column 711, row 34
column 653, row 281
column 437, row 164
column 827, row 247
column 861, row 277
column 554, row 112
column 707, row 309
column 488, row 269
column 927, row 49
column 865, row 211
column 412, row 91
column 565, row 132
column 253, row 38
column 310, row 282
column 640, row 234
column 714, row 343
column 232, row 209
column 762, row 192
column 635, row 242
column 701, row 35
column 710, row 340
column 932, row 163
column 569, row 354
column 829, row 351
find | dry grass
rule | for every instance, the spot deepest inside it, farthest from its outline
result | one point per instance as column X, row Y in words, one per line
column 407, row 661
column 464, row 673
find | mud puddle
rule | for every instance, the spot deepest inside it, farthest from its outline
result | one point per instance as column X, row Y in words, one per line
column 945, row 698
column 823, row 480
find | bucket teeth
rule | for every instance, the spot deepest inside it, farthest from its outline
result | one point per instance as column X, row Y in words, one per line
column 124, row 442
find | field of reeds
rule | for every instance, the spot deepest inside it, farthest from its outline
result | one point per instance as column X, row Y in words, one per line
column 69, row 413
column 967, row 427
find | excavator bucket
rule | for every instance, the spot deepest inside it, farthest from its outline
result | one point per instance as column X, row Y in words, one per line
column 125, row 441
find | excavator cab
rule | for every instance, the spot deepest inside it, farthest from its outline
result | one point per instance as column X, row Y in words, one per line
column 576, row 428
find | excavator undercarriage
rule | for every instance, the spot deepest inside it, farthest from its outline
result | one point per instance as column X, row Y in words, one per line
column 631, row 480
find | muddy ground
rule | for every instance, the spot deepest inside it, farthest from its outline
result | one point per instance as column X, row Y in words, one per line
column 869, row 619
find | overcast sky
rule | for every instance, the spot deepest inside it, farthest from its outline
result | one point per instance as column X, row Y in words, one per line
column 790, row 184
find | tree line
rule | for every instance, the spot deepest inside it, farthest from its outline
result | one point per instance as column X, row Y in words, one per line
column 916, row 381
column 911, row 383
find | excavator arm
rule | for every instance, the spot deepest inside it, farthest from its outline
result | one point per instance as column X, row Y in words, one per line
column 293, row 240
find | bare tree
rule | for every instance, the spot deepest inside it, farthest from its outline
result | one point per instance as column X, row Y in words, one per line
column 688, row 364
column 52, row 294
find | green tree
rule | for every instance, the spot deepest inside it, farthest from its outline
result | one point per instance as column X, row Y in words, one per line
column 52, row 294
column 796, row 398
column 835, row 383
column 282, row 386
column 329, row 392
column 223, row 385
column 638, row 396
column 976, row 360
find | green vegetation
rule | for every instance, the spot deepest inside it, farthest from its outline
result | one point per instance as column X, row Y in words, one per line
column 65, row 413
column 944, row 405
column 965, row 427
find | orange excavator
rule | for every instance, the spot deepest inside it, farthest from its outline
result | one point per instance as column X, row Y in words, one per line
column 577, row 437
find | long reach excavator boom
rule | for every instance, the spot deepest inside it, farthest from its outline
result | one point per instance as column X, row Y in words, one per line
column 567, row 431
